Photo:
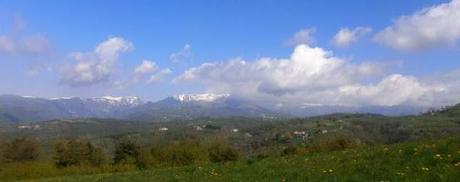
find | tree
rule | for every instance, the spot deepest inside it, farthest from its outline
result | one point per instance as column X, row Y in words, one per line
column 21, row 149
column 76, row 152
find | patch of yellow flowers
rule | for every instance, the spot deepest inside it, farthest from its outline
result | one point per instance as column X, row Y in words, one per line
column 328, row 171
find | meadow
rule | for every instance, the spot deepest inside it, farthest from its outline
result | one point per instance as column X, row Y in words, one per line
column 336, row 147
column 428, row 160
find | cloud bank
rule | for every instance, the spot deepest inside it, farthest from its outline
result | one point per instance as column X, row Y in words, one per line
column 313, row 75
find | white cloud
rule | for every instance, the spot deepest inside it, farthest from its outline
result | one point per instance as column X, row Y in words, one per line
column 96, row 66
column 150, row 71
column 7, row 45
column 312, row 75
column 17, row 44
column 184, row 54
column 392, row 90
column 159, row 75
column 427, row 28
column 303, row 36
column 345, row 36
column 146, row 67
column 24, row 46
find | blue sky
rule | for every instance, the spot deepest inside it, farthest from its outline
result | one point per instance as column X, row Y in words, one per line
column 213, row 31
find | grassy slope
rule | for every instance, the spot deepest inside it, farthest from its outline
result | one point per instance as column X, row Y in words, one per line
column 434, row 160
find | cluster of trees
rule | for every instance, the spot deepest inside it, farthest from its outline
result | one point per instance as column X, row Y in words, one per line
column 126, row 152
column 19, row 150
column 78, row 152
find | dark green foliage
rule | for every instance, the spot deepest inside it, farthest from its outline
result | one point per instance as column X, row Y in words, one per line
column 222, row 152
column 127, row 152
column 291, row 150
column 212, row 127
column 21, row 150
column 333, row 142
column 75, row 152
column 179, row 153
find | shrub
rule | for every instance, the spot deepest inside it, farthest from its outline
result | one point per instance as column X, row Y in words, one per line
column 291, row 150
column 128, row 152
column 332, row 142
column 222, row 152
column 21, row 150
column 179, row 153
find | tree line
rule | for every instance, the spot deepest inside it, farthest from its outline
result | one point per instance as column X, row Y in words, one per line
column 82, row 152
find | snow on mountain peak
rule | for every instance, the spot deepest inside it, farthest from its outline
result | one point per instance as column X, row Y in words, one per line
column 128, row 100
column 63, row 98
column 207, row 97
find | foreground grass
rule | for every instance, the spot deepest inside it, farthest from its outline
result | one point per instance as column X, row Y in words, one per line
column 434, row 160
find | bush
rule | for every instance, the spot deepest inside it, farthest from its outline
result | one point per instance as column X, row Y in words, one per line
column 179, row 153
column 128, row 152
column 21, row 150
column 221, row 152
column 76, row 152
column 291, row 150
column 332, row 142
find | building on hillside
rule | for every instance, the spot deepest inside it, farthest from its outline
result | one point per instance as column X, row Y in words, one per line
column 301, row 134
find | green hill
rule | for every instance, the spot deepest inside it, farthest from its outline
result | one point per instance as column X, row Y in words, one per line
column 451, row 111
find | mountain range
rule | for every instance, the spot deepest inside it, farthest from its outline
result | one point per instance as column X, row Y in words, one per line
column 181, row 107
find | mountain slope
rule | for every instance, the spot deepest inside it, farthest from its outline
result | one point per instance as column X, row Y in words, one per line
column 17, row 108
column 190, row 107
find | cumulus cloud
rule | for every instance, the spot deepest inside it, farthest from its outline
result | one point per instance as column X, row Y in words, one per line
column 427, row 28
column 311, row 75
column 97, row 66
column 184, row 54
column 151, row 70
column 146, row 67
column 345, row 36
column 303, row 36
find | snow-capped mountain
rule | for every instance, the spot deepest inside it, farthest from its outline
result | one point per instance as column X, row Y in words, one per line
column 207, row 97
column 198, row 106
column 19, row 108
column 129, row 101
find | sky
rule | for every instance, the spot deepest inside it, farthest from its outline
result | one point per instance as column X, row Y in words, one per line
column 357, row 52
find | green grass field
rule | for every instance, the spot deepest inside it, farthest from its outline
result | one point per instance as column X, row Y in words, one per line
column 428, row 160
